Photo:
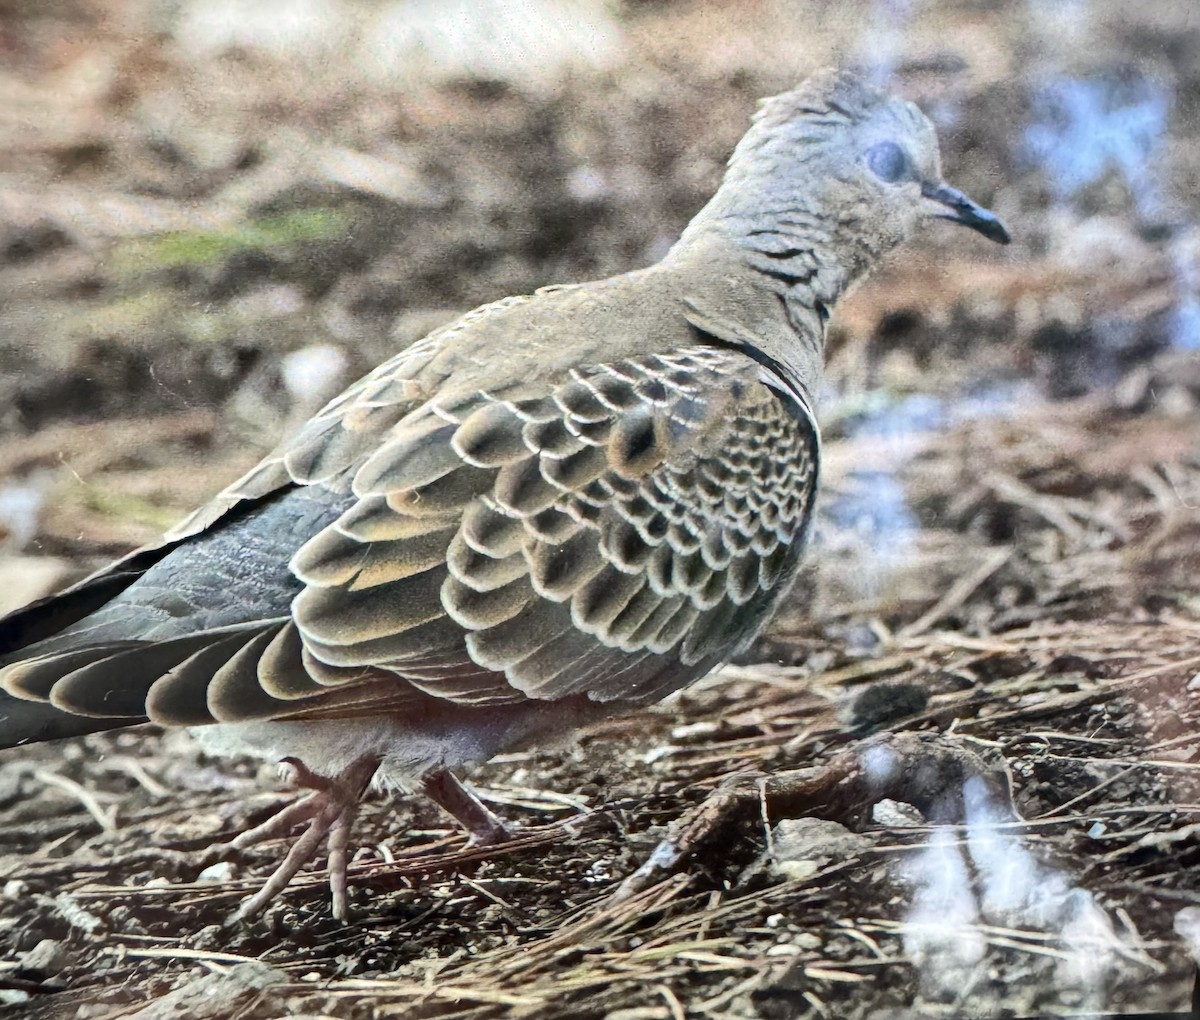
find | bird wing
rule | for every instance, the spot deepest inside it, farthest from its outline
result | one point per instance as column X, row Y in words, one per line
column 613, row 530
column 614, row 533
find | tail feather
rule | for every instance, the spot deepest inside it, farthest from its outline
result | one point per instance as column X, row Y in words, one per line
column 35, row 677
column 113, row 682
column 145, row 638
column 117, row 685
column 30, row 722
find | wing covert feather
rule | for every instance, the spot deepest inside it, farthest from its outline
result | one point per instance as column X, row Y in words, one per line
column 621, row 529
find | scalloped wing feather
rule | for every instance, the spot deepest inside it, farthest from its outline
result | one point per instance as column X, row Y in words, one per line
column 638, row 520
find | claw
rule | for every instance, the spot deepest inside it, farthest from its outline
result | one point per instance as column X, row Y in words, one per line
column 330, row 811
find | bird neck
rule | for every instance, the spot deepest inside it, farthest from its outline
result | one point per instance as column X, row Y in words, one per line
column 791, row 253
column 777, row 320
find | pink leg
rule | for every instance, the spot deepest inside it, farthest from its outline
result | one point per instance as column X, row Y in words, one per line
column 329, row 810
column 445, row 789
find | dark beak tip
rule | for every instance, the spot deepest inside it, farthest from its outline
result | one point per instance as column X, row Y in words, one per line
column 961, row 209
column 994, row 231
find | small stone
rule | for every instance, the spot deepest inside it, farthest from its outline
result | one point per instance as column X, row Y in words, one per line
column 796, row 870
column 815, row 839
column 881, row 704
column 211, row 936
column 784, row 949
column 222, row 871
column 895, row 815
column 47, row 957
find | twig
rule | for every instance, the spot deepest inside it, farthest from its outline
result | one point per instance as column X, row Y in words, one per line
column 958, row 593
column 1051, row 509
column 926, row 770
column 105, row 819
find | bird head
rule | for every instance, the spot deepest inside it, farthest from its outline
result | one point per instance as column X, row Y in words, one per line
column 831, row 176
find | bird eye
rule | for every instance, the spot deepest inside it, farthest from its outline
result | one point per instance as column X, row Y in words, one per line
column 887, row 161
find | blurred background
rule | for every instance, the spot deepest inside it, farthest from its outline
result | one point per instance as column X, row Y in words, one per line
column 216, row 213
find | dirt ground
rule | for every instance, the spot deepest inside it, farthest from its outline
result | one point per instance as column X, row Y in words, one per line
column 958, row 777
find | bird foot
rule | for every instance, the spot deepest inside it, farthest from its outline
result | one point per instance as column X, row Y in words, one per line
column 330, row 811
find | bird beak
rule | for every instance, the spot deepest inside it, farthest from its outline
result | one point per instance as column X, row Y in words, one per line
column 962, row 210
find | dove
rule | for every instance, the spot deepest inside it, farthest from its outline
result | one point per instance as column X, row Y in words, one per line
column 561, row 506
